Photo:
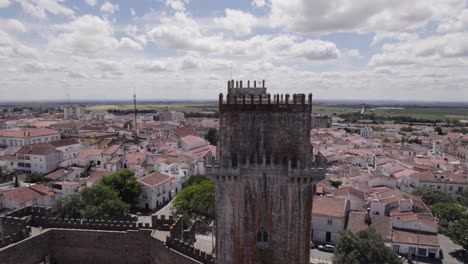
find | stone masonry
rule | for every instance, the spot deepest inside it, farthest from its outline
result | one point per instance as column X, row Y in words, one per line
column 265, row 175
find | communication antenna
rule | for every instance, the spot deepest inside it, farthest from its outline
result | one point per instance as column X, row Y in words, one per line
column 136, row 129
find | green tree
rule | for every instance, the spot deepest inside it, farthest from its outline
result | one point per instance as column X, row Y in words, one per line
column 102, row 202
column 439, row 130
column 365, row 247
column 447, row 210
column 125, row 184
column 128, row 124
column 464, row 197
column 335, row 183
column 458, row 232
column 70, row 207
column 197, row 198
column 194, row 179
column 212, row 136
column 431, row 196
column 35, row 178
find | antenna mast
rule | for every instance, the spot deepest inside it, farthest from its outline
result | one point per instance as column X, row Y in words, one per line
column 136, row 128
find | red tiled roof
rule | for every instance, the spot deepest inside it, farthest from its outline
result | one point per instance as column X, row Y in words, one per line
column 414, row 237
column 329, row 206
column 89, row 152
column 381, row 224
column 111, row 150
column 21, row 195
column 64, row 142
column 155, row 179
column 36, row 149
column 30, row 132
column 183, row 131
column 42, row 189
column 96, row 176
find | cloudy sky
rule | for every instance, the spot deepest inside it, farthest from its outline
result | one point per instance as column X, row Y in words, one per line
column 187, row 49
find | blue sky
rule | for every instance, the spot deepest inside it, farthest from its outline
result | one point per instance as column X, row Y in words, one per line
column 187, row 49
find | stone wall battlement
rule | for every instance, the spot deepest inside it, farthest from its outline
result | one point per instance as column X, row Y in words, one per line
column 265, row 102
column 162, row 222
column 86, row 224
column 15, row 237
column 189, row 251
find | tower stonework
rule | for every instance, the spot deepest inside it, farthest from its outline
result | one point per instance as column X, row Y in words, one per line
column 265, row 175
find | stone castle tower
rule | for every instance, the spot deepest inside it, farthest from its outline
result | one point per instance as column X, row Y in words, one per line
column 265, row 175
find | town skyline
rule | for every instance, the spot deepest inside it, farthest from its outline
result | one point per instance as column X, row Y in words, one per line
column 172, row 48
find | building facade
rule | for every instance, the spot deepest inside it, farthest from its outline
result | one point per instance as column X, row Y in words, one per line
column 265, row 175
column 21, row 137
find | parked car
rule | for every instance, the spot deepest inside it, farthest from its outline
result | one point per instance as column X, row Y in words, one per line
column 327, row 248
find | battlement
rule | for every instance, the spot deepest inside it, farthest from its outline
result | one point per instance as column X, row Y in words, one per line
column 15, row 237
column 86, row 224
column 265, row 102
column 162, row 222
column 189, row 250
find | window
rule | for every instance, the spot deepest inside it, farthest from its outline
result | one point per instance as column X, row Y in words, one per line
column 422, row 252
column 262, row 237
column 460, row 189
column 438, row 186
column 329, row 221
column 396, row 248
column 450, row 188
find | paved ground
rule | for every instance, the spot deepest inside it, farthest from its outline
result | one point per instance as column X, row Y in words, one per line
column 317, row 256
column 451, row 252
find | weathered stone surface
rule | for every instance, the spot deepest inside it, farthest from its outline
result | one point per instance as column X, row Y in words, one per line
column 265, row 175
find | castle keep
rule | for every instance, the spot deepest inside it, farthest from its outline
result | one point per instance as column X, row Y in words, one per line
column 265, row 175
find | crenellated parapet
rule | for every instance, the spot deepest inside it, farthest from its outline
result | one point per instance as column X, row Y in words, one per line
column 189, row 250
column 14, row 237
column 162, row 222
column 48, row 222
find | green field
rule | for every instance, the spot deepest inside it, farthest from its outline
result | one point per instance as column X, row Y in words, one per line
column 181, row 107
column 430, row 113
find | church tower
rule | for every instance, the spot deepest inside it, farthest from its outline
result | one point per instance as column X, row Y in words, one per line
column 265, row 175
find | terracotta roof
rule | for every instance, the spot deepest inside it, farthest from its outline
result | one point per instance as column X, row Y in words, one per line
column 155, row 179
column 111, row 150
column 89, row 152
column 64, row 142
column 329, row 206
column 183, row 131
column 415, row 238
column 345, row 191
column 97, row 175
column 42, row 189
column 57, row 174
column 135, row 158
column 21, row 195
column 9, row 158
column 30, row 132
column 381, row 224
column 36, row 149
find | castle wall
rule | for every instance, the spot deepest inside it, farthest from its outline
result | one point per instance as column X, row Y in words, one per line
column 91, row 246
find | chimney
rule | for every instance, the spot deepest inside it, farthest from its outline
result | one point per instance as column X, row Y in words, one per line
column 368, row 218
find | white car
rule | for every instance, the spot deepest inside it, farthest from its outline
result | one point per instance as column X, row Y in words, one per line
column 328, row 248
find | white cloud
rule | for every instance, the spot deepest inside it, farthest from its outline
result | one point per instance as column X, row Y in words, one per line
column 132, row 12
column 107, row 7
column 236, row 21
column 39, row 67
column 181, row 32
column 457, row 24
column 152, row 66
column 178, row 5
column 444, row 50
column 258, row 3
column 381, row 36
column 4, row 3
column 91, row 2
column 353, row 53
column 11, row 48
column 86, row 34
column 359, row 16
column 40, row 8
column 12, row 25
column 127, row 43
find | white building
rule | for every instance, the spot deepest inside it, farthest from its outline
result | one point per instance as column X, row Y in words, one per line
column 39, row 195
column 71, row 112
column 38, row 158
column 157, row 189
column 447, row 182
column 329, row 216
column 21, row 137
column 69, row 147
